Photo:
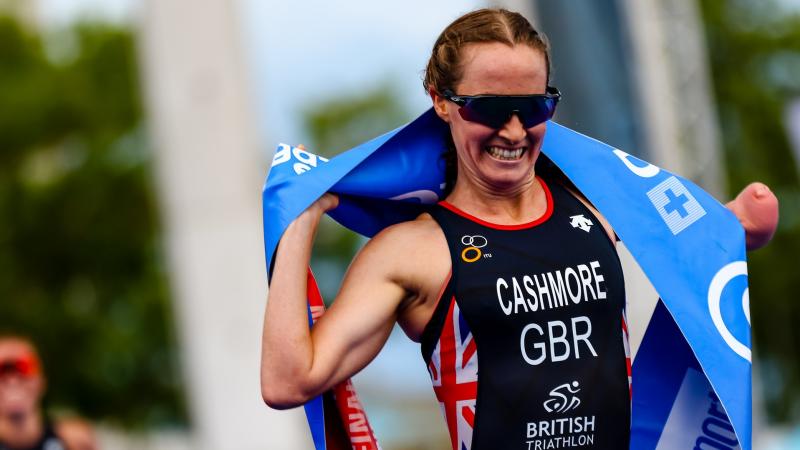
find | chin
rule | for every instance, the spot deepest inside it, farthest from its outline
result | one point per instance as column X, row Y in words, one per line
column 509, row 181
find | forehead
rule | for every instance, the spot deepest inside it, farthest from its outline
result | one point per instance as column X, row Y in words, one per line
column 15, row 347
column 496, row 68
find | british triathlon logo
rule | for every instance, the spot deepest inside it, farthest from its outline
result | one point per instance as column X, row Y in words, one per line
column 561, row 431
column 472, row 250
column 563, row 398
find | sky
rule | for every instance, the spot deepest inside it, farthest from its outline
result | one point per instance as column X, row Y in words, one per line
column 302, row 51
column 305, row 51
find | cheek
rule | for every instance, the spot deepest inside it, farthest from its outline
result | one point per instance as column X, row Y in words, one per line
column 467, row 135
column 22, row 393
column 536, row 134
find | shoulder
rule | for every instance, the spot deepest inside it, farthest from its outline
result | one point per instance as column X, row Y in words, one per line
column 603, row 221
column 76, row 433
column 422, row 225
column 409, row 252
column 415, row 234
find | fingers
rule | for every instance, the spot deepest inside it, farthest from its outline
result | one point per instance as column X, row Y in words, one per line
column 328, row 201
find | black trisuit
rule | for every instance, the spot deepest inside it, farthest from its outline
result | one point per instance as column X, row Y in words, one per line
column 527, row 347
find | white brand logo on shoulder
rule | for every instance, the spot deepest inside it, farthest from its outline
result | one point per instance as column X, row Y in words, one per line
column 563, row 398
column 578, row 221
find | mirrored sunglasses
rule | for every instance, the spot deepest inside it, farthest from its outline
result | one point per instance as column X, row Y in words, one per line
column 24, row 366
column 495, row 110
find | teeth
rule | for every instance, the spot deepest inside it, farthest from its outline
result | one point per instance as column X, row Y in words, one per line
column 505, row 154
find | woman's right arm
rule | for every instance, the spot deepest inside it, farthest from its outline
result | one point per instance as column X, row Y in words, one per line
column 298, row 363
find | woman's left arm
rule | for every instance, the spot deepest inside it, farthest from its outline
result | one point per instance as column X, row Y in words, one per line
column 756, row 207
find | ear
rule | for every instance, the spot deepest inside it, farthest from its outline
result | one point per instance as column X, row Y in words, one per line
column 439, row 105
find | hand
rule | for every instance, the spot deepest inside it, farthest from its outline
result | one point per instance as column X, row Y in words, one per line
column 325, row 203
column 756, row 207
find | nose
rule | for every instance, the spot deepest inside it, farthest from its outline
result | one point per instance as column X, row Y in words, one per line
column 512, row 130
column 10, row 379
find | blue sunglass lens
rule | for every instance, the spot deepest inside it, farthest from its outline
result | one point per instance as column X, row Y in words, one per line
column 496, row 111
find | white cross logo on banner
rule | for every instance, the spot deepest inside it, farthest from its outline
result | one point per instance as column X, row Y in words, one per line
column 676, row 205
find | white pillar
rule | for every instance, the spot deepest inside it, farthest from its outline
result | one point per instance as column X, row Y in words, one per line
column 674, row 84
column 793, row 128
column 24, row 10
column 210, row 176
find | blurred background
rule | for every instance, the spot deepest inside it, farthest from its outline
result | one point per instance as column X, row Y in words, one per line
column 135, row 136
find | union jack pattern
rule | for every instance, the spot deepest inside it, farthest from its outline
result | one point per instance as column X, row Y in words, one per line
column 454, row 374
column 627, row 352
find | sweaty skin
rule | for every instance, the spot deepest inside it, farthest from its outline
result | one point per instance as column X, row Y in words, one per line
column 399, row 274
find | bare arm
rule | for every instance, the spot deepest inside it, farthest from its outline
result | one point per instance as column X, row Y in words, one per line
column 77, row 434
column 298, row 363
column 756, row 207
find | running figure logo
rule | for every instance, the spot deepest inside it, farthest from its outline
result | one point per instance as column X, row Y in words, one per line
column 559, row 401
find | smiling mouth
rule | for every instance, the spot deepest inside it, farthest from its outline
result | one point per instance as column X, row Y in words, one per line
column 506, row 154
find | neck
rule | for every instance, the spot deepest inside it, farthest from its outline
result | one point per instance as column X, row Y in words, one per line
column 21, row 431
column 518, row 204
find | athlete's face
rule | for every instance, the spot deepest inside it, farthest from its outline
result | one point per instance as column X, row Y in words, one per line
column 21, row 386
column 499, row 159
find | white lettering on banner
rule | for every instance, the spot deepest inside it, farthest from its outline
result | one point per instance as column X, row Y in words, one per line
column 647, row 171
column 305, row 160
column 673, row 201
column 718, row 283
column 697, row 420
column 282, row 154
column 356, row 420
column 423, row 195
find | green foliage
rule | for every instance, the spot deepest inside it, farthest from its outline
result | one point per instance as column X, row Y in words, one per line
column 335, row 125
column 754, row 49
column 345, row 121
column 80, row 265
